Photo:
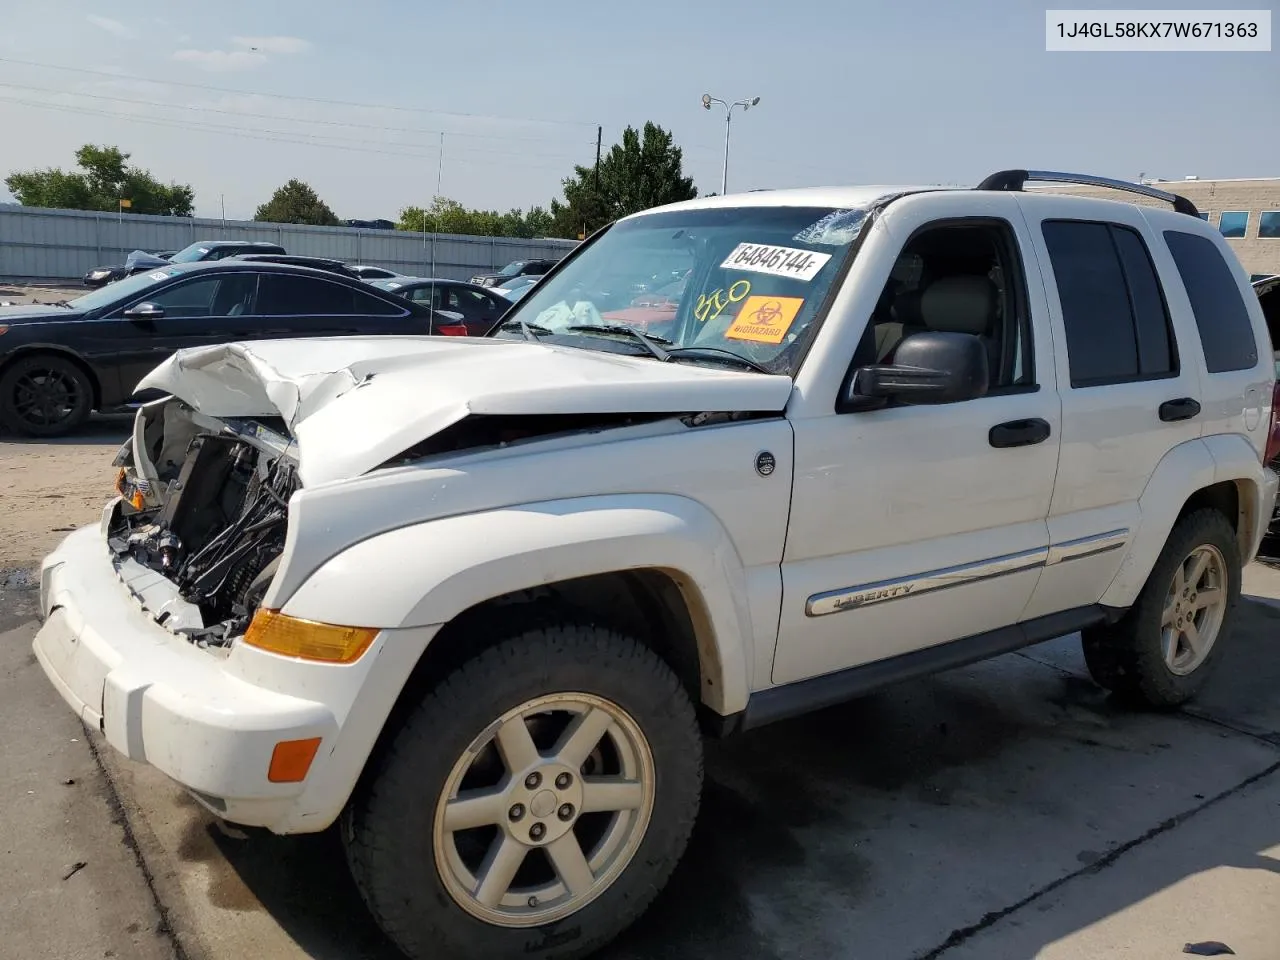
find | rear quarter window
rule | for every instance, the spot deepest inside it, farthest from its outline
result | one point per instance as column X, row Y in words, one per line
column 1222, row 318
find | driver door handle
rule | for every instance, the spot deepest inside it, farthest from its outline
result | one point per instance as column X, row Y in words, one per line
column 1019, row 433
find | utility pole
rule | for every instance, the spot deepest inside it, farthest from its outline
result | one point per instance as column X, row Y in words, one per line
column 599, row 139
column 439, row 186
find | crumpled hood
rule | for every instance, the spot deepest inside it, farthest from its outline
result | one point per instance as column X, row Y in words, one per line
column 140, row 259
column 353, row 403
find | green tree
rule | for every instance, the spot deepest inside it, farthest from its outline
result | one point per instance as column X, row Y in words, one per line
column 450, row 216
column 103, row 180
column 645, row 170
column 296, row 202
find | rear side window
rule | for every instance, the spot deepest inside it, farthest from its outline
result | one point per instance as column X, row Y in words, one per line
column 1226, row 332
column 285, row 295
column 372, row 306
column 1113, row 309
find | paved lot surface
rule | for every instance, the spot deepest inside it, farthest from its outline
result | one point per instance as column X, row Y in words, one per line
column 1007, row 810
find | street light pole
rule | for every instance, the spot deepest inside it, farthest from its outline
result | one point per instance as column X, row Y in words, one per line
column 707, row 101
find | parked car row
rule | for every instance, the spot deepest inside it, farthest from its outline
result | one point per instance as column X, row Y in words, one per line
column 61, row 361
column 198, row 252
column 516, row 275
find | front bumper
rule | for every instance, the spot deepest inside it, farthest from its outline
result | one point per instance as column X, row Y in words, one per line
column 159, row 699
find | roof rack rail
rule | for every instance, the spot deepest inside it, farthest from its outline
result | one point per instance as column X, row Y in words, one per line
column 1017, row 179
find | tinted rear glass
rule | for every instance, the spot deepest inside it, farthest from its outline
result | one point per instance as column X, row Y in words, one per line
column 1151, row 318
column 1101, row 346
column 1226, row 332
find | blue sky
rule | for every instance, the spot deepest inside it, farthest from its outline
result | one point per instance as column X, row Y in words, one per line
column 880, row 92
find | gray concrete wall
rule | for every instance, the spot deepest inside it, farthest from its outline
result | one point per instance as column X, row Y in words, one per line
column 45, row 244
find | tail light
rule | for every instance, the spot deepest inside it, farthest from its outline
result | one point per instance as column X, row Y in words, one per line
column 1273, row 439
column 451, row 330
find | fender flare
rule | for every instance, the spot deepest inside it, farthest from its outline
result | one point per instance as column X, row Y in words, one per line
column 1184, row 470
column 428, row 573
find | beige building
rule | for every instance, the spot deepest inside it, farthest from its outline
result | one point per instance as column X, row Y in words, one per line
column 1246, row 211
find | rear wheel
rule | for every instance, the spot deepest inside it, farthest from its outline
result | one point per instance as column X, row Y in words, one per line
column 533, row 803
column 1165, row 647
column 44, row 395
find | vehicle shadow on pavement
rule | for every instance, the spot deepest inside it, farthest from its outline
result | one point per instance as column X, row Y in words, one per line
column 904, row 824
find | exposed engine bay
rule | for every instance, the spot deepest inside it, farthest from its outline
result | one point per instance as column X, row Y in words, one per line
column 205, row 504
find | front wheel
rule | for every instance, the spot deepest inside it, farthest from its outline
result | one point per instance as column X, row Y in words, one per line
column 533, row 803
column 44, row 395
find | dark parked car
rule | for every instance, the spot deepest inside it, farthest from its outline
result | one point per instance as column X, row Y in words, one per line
column 1268, row 290
column 315, row 263
column 516, row 268
column 60, row 361
column 204, row 250
column 101, row 276
column 374, row 273
column 481, row 309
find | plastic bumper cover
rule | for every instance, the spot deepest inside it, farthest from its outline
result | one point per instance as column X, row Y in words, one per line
column 158, row 698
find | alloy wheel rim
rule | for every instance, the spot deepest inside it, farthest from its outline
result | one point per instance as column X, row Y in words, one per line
column 1194, row 610
column 544, row 810
column 45, row 397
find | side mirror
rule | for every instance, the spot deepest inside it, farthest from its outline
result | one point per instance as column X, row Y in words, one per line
column 143, row 311
column 928, row 368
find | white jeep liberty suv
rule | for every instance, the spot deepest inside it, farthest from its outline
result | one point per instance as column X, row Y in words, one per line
column 731, row 460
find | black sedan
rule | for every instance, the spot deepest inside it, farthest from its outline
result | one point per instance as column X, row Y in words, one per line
column 59, row 362
column 481, row 309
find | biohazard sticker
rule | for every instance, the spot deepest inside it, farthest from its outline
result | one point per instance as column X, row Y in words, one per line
column 764, row 319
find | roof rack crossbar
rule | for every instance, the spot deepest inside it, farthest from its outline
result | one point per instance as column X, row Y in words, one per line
column 1017, row 179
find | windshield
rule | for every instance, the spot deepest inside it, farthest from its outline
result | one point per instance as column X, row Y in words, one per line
column 749, row 281
column 121, row 289
column 512, row 269
column 190, row 254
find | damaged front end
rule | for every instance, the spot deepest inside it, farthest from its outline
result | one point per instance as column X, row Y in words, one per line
column 204, row 504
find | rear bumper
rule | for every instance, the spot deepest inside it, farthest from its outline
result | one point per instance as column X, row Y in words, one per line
column 159, row 699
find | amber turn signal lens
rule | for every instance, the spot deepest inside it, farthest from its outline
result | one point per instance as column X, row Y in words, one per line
column 292, row 637
column 135, row 498
column 291, row 759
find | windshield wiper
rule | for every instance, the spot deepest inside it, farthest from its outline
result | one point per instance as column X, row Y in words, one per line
column 650, row 343
column 51, row 303
column 531, row 331
column 717, row 353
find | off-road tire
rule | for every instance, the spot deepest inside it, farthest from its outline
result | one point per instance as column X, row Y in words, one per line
column 387, row 828
column 14, row 373
column 1126, row 658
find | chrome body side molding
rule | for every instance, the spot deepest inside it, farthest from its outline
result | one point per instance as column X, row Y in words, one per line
column 863, row 595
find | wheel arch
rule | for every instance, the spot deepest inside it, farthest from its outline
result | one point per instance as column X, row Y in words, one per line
column 659, row 566
column 682, row 594
column 1223, row 473
column 57, row 350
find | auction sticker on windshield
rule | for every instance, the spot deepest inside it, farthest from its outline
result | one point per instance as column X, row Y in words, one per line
column 778, row 261
column 764, row 319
